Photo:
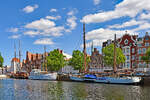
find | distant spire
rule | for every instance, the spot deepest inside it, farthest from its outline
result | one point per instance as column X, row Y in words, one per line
column 126, row 32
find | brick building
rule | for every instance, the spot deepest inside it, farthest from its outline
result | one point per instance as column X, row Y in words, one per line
column 96, row 61
column 134, row 48
column 35, row 61
column 128, row 45
column 143, row 43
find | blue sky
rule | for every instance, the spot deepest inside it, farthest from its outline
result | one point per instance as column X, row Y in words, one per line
column 58, row 23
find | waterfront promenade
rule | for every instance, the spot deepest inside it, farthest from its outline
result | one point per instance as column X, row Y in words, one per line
column 12, row 89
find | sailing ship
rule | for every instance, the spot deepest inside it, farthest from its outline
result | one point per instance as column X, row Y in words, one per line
column 75, row 77
column 117, row 79
column 38, row 74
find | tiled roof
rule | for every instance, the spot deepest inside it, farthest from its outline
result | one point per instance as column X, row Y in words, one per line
column 15, row 60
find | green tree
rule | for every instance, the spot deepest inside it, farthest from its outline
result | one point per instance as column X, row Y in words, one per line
column 55, row 60
column 146, row 58
column 1, row 61
column 77, row 60
column 108, row 57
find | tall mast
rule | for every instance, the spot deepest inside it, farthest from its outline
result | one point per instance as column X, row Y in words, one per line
column 20, row 50
column 115, row 68
column 14, row 50
column 45, row 61
column 92, row 46
column 84, row 47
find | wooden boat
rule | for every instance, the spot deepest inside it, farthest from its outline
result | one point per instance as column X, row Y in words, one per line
column 37, row 74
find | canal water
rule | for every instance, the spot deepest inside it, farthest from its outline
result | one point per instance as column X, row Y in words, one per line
column 11, row 89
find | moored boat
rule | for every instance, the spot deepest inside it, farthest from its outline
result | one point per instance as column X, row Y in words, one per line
column 76, row 77
column 89, row 78
column 37, row 74
column 119, row 80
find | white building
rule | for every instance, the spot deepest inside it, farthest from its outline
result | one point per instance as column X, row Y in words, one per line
column 15, row 65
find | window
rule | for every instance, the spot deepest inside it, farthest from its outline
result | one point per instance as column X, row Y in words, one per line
column 133, row 57
column 128, row 64
column 128, row 50
column 139, row 51
column 133, row 50
column 126, row 41
column 139, row 57
column 146, row 38
column 147, row 44
column 144, row 50
column 124, row 50
column 139, row 45
column 127, row 57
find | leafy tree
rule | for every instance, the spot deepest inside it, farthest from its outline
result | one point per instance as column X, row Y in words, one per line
column 109, row 55
column 77, row 60
column 146, row 58
column 1, row 60
column 55, row 60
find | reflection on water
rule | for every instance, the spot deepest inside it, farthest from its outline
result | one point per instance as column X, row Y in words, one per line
column 11, row 89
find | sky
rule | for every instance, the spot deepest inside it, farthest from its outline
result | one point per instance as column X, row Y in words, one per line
column 59, row 23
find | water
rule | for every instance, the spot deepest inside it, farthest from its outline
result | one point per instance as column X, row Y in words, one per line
column 11, row 89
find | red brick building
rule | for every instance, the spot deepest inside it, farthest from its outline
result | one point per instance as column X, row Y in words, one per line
column 128, row 45
column 96, row 61
column 143, row 43
column 34, row 61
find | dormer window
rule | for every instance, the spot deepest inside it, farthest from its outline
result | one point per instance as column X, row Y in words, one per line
column 126, row 41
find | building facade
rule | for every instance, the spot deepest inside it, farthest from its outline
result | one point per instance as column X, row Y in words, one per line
column 133, row 48
column 128, row 45
column 15, row 65
column 96, row 62
column 32, row 61
column 143, row 43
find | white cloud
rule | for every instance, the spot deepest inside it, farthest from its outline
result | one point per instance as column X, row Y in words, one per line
column 127, row 24
column 53, row 18
column 53, row 10
column 71, row 22
column 72, row 12
column 145, row 16
column 98, row 36
column 96, row 2
column 44, row 27
column 67, row 55
column 54, row 31
column 31, row 33
column 16, row 36
column 44, row 41
column 126, row 8
column 29, row 9
column 14, row 30
column 142, row 27
column 40, row 24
